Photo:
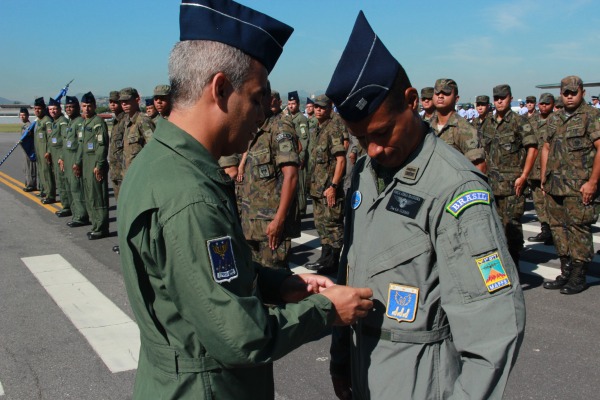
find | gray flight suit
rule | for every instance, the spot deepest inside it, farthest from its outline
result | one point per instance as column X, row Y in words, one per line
column 449, row 311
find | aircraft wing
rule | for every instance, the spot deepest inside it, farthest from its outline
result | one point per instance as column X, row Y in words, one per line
column 557, row 85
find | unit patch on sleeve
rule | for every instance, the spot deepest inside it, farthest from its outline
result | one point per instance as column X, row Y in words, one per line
column 404, row 204
column 466, row 200
column 402, row 302
column 222, row 261
column 282, row 136
column 492, row 271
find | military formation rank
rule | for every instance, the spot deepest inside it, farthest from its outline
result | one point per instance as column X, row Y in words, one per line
column 402, row 302
column 492, row 271
column 222, row 261
column 466, row 200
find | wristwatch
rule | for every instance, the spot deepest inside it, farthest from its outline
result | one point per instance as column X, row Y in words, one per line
column 334, row 185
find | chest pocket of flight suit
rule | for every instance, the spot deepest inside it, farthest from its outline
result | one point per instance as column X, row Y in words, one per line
column 412, row 251
column 263, row 168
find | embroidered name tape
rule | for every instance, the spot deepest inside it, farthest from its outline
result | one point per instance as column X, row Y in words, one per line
column 405, row 204
column 492, row 271
column 466, row 200
column 282, row 136
column 402, row 302
column 222, row 261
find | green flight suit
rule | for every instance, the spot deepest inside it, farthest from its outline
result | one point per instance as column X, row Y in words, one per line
column 55, row 146
column 449, row 311
column 93, row 147
column 41, row 148
column 71, row 156
column 195, row 292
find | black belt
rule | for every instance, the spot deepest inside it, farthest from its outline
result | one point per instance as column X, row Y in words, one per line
column 402, row 336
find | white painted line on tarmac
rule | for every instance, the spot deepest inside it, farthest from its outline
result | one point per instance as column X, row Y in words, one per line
column 547, row 272
column 305, row 238
column 1, row 390
column 110, row 332
column 536, row 229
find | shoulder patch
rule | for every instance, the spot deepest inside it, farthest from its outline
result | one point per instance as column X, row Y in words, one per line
column 492, row 271
column 283, row 136
column 336, row 141
column 222, row 261
column 466, row 200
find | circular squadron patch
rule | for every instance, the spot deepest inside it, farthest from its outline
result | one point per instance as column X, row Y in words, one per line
column 356, row 200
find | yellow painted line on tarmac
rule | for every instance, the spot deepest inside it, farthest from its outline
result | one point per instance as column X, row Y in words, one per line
column 16, row 185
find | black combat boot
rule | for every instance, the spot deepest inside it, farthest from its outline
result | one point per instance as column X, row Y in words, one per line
column 543, row 236
column 330, row 266
column 562, row 279
column 325, row 253
column 577, row 282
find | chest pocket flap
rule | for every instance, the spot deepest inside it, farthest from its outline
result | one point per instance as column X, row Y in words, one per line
column 399, row 254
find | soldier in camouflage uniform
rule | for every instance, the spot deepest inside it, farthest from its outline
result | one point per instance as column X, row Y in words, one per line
column 231, row 166
column 115, row 154
column 482, row 106
column 56, row 135
column 137, row 126
column 326, row 169
column 42, row 124
column 453, row 129
column 511, row 147
column 69, row 162
column 530, row 102
column 570, row 173
column 93, row 148
column 539, row 124
column 151, row 111
column 301, row 126
column 427, row 103
column 162, row 100
column 269, row 211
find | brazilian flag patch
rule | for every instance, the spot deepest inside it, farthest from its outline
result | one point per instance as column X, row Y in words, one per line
column 466, row 200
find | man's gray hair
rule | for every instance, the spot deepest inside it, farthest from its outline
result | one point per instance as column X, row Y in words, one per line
column 193, row 63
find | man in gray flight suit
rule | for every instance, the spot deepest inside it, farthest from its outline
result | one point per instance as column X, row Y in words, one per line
column 422, row 232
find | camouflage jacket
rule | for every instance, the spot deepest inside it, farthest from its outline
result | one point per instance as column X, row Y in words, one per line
column 572, row 151
column 539, row 126
column 425, row 118
column 273, row 147
column 55, row 135
column 115, row 153
column 325, row 143
column 506, row 141
column 137, row 133
column 458, row 133
column 301, row 126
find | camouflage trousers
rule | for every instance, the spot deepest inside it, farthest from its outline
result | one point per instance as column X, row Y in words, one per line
column 539, row 201
column 329, row 221
column 571, row 226
column 278, row 258
column 511, row 209
column 116, row 185
column 301, row 190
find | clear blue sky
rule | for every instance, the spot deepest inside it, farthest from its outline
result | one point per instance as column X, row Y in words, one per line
column 107, row 45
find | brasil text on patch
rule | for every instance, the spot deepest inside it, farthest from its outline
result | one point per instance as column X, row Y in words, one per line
column 492, row 271
column 222, row 261
column 467, row 199
column 402, row 302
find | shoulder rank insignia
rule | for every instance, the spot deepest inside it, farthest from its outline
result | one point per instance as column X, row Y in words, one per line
column 402, row 302
column 492, row 271
column 220, row 253
column 467, row 199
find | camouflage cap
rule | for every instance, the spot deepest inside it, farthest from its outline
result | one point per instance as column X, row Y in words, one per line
column 445, row 86
column 275, row 94
column 530, row 99
column 127, row 93
column 502, row 90
column 322, row 101
column 546, row 98
column 162, row 90
column 559, row 102
column 427, row 93
column 572, row 83
column 482, row 99
column 113, row 96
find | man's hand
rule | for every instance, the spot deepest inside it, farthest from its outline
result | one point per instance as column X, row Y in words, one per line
column 299, row 287
column 98, row 174
column 588, row 190
column 61, row 165
column 274, row 233
column 349, row 303
column 77, row 171
column 48, row 158
column 342, row 387
column 520, row 184
column 329, row 194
